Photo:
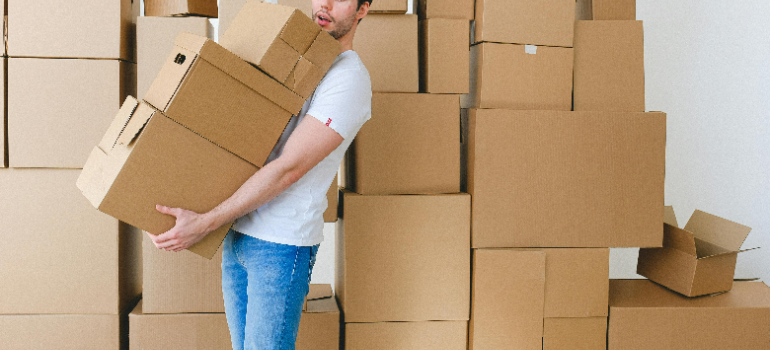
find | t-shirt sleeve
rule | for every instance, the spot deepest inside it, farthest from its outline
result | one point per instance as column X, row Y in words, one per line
column 343, row 101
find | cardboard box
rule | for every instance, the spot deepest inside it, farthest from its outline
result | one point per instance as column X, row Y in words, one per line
column 86, row 332
column 575, row 333
column 155, row 39
column 444, row 57
column 520, row 77
column 605, row 10
column 332, row 198
column 319, row 326
column 644, row 315
column 72, row 29
column 146, row 159
column 462, row 9
column 50, row 100
column 389, row 6
column 59, row 255
column 431, row 335
column 228, row 9
column 306, row 6
column 205, row 8
column 403, row 258
column 533, row 22
column 222, row 98
column 697, row 260
column 609, row 66
column 387, row 45
column 565, row 179
column 3, row 119
column 424, row 158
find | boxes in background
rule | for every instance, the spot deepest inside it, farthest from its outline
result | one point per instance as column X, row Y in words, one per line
column 410, row 146
column 444, row 56
column 403, row 257
column 50, row 100
column 71, row 29
column 319, row 326
column 429, row 335
column 445, row 9
column 306, row 6
column 605, row 10
column 609, row 66
column 206, row 8
column 697, row 260
column 228, row 9
column 387, row 45
column 388, row 6
column 575, row 333
column 533, row 22
column 45, row 222
column 3, row 119
column 332, row 198
column 520, row 77
column 644, row 315
column 565, row 179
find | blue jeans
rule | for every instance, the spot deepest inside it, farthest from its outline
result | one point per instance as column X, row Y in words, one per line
column 264, row 285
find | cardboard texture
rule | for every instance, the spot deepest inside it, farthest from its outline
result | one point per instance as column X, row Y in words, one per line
column 461, row 9
column 432, row 335
column 155, row 39
column 532, row 22
column 583, row 333
column 520, row 77
column 444, row 58
column 222, row 98
column 71, row 29
column 332, row 198
column 644, row 315
column 64, row 332
column 146, row 159
column 389, row 6
column 423, row 159
column 403, row 258
column 50, row 100
column 306, row 6
column 228, row 9
column 387, row 45
column 565, row 179
column 206, row 8
column 317, row 292
column 45, row 221
column 3, row 119
column 609, row 66
column 697, row 260
column 605, row 10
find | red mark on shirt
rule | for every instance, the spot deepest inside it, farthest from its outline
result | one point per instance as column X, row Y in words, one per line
column 328, row 121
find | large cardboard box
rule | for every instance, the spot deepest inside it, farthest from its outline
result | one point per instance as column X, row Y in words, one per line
column 205, row 8
column 462, row 9
column 430, row 335
column 565, row 179
column 575, row 333
column 146, row 159
column 644, row 315
column 403, row 258
column 155, row 39
column 697, row 260
column 58, row 254
column 332, row 198
column 520, row 77
column 444, row 59
column 389, row 6
column 605, row 10
column 387, row 45
column 64, row 332
column 533, row 22
column 50, row 100
column 410, row 146
column 71, row 29
column 609, row 66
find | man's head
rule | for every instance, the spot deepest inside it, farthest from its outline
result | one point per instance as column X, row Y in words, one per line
column 340, row 17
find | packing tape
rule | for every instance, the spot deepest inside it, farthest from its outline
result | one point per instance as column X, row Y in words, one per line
column 530, row 49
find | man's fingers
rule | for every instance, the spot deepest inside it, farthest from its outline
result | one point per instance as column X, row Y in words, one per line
column 168, row 211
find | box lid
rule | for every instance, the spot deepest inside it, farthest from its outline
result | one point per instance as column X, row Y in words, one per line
column 645, row 293
column 669, row 217
column 717, row 231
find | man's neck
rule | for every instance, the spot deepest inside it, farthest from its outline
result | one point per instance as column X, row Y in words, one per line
column 347, row 40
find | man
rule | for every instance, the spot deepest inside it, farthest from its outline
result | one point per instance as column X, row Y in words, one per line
column 269, row 254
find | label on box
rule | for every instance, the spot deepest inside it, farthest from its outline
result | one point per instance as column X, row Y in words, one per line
column 530, row 49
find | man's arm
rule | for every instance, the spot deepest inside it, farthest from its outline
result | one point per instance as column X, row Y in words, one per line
column 307, row 146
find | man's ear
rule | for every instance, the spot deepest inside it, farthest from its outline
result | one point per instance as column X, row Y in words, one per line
column 363, row 10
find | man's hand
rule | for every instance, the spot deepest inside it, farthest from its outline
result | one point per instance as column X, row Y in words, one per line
column 190, row 228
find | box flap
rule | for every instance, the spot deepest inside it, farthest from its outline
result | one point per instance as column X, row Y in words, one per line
column 135, row 124
column 118, row 124
column 716, row 230
column 300, row 31
column 323, row 51
column 669, row 217
column 319, row 291
column 679, row 239
column 706, row 249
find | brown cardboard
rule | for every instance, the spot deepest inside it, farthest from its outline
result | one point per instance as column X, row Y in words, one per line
column 444, row 58
column 644, row 315
column 317, row 292
column 58, row 254
column 605, row 10
column 222, row 98
column 206, row 8
column 319, row 327
column 306, row 6
column 462, row 9
column 155, row 39
column 71, row 29
column 3, row 119
column 50, row 100
column 332, row 198
column 403, row 258
column 520, row 77
column 228, row 9
column 697, row 260
column 432, row 335
column 565, row 179
column 533, row 22
column 387, row 45
column 609, row 66
column 388, row 6
column 575, row 333
column 155, row 160
column 65, row 332
column 423, row 159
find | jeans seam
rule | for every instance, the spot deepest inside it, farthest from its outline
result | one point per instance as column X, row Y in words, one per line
column 286, row 304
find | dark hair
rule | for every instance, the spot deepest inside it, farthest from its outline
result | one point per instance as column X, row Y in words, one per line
column 361, row 2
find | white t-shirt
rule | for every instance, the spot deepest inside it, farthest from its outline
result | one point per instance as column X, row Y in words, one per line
column 342, row 101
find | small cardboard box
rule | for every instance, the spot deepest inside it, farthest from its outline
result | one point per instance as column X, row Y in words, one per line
column 428, row 335
column 71, row 29
column 532, row 22
column 227, row 11
column 619, row 10
column 410, row 146
column 332, row 200
column 575, row 333
column 444, row 59
column 389, row 6
column 609, row 66
column 697, row 260
column 461, row 9
column 205, row 8
column 520, row 77
column 387, row 45
column 644, row 315
column 71, row 331
column 403, row 257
